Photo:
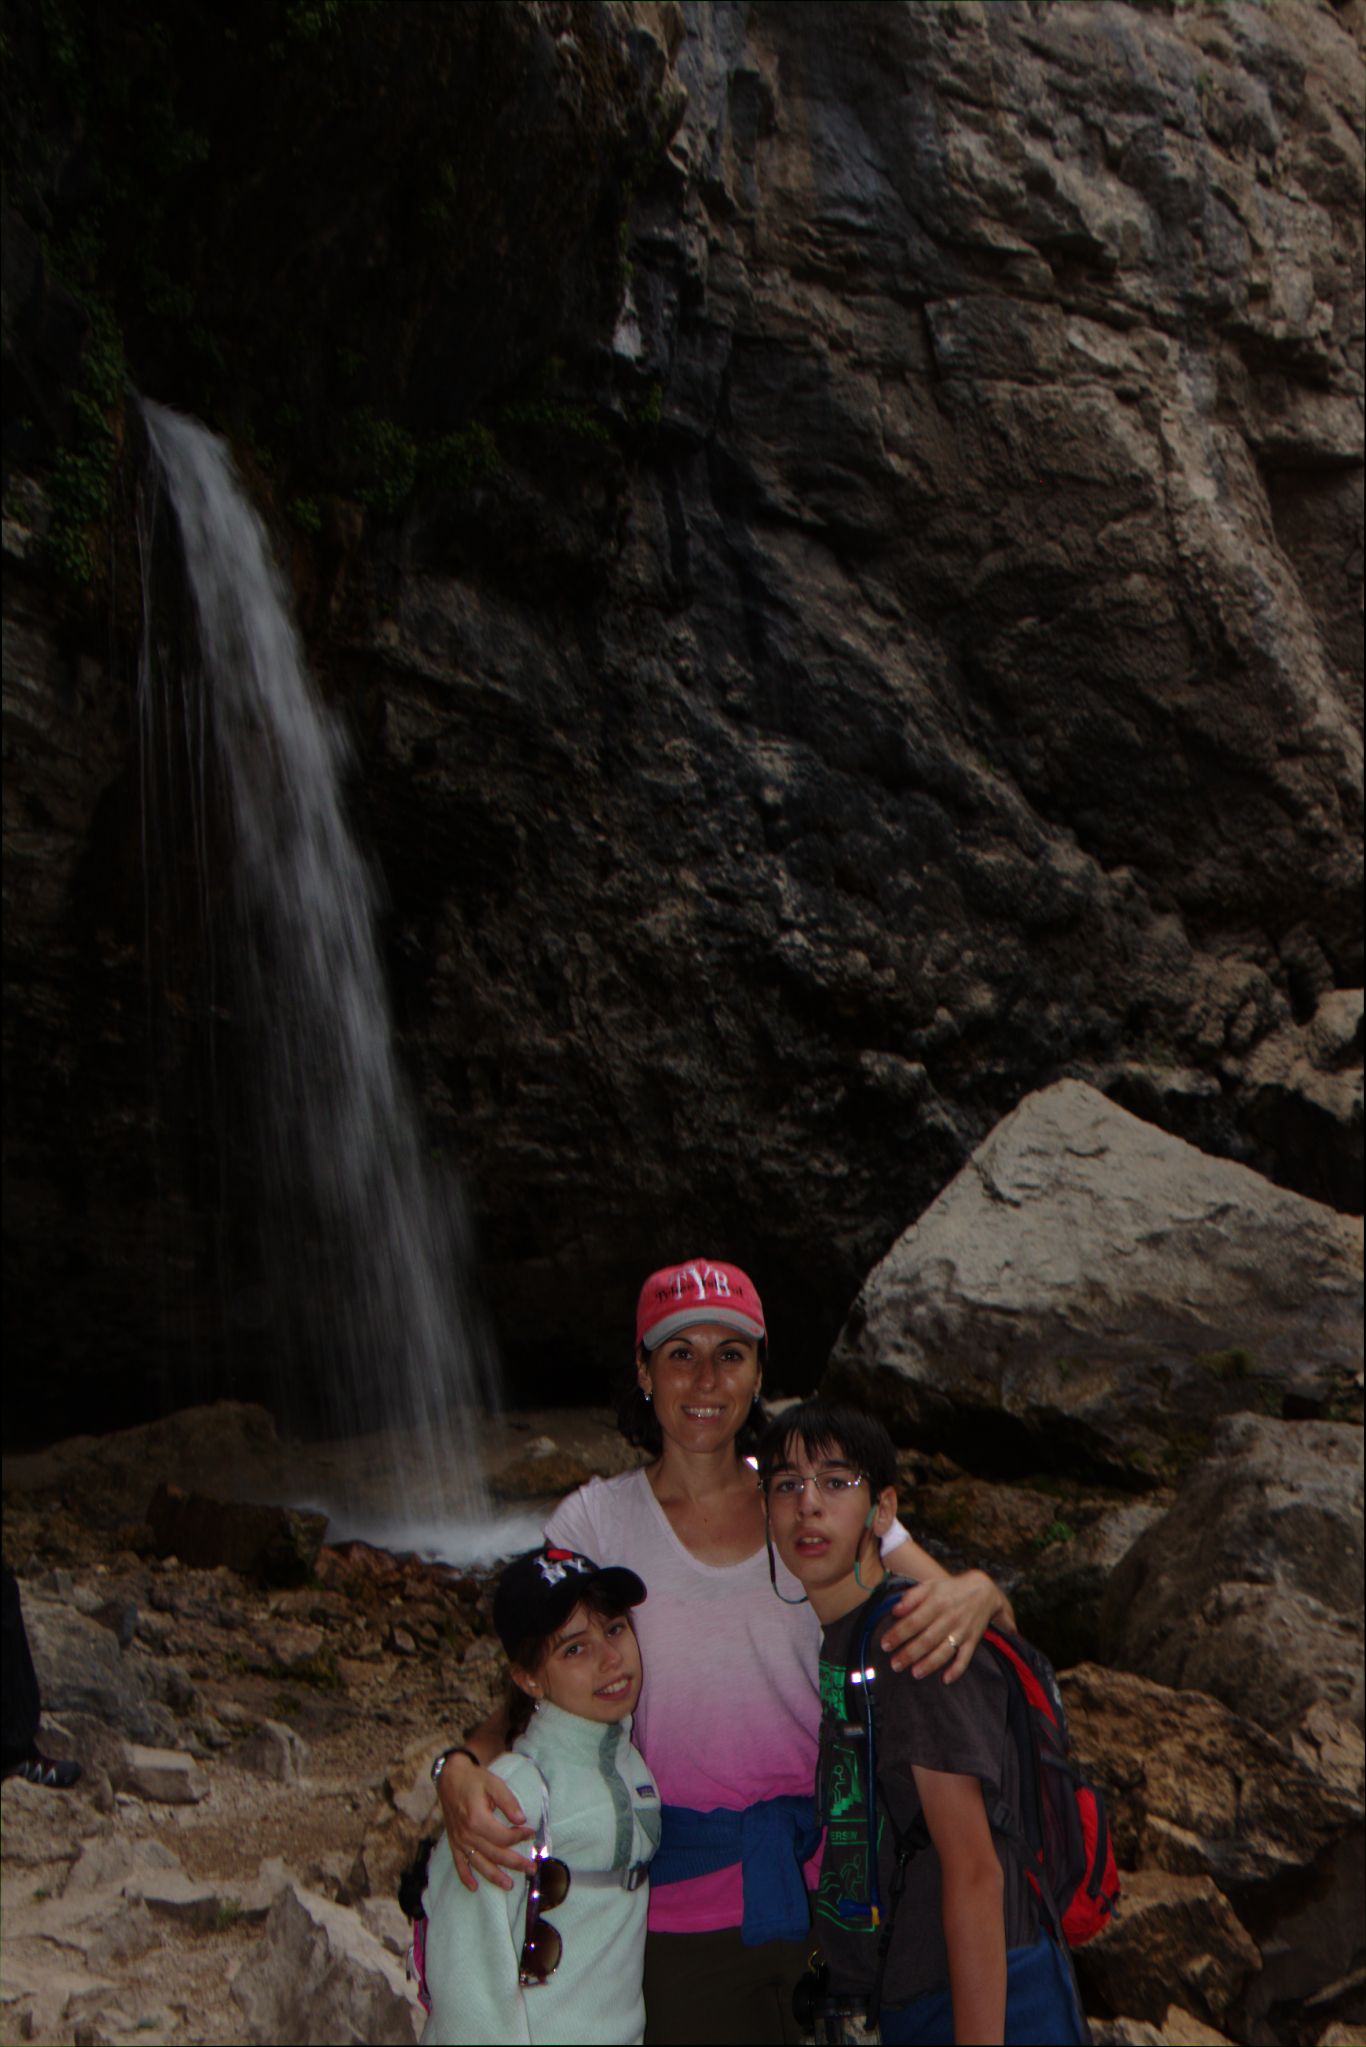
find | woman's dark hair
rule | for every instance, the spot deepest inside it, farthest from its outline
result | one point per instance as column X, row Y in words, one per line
column 830, row 1428
column 639, row 1423
column 530, row 1652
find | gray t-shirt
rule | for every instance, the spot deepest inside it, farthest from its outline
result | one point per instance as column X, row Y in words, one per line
column 958, row 1728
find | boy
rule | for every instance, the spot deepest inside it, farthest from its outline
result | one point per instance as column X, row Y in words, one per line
column 964, row 1957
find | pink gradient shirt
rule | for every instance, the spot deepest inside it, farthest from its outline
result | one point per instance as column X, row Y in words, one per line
column 730, row 1711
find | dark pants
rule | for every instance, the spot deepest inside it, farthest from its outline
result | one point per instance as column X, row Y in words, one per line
column 19, row 1707
column 1041, row 2004
column 710, row 1990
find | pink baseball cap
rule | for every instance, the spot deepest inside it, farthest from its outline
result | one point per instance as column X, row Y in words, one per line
column 680, row 1296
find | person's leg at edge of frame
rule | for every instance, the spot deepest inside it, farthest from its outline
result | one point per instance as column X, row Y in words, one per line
column 710, row 1990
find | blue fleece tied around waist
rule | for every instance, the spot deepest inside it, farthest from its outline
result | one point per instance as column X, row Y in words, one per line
column 771, row 1841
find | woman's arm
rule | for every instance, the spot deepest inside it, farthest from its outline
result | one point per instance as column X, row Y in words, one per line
column 472, row 1800
column 972, row 1901
column 939, row 1606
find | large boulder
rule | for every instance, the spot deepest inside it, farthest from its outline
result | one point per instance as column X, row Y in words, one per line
column 1251, row 1586
column 319, row 1974
column 1091, row 1292
column 81, row 1669
column 1196, row 1789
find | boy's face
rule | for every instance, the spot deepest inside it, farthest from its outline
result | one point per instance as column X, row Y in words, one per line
column 824, row 1518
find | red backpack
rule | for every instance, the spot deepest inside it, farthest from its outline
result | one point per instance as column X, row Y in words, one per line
column 1061, row 1833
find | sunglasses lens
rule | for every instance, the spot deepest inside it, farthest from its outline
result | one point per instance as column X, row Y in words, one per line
column 541, row 1953
column 552, row 1884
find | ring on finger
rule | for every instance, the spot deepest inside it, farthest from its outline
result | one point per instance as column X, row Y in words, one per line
column 952, row 1641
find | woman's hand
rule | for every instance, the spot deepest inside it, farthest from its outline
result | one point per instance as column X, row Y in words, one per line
column 938, row 1624
column 483, row 1824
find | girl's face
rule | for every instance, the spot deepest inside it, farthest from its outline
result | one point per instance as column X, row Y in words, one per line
column 702, row 1382
column 591, row 1667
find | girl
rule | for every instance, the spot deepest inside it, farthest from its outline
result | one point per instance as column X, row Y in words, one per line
column 558, row 1957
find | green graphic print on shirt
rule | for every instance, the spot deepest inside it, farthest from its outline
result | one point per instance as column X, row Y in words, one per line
column 844, row 1886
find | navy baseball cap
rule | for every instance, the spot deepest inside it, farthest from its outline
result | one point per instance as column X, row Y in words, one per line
column 537, row 1592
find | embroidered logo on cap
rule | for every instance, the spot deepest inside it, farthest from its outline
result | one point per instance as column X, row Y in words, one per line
column 558, row 1563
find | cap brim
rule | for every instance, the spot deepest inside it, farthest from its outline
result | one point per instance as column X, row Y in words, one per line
column 699, row 1312
column 619, row 1583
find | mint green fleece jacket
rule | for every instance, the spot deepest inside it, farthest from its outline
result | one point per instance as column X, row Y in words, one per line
column 604, row 1815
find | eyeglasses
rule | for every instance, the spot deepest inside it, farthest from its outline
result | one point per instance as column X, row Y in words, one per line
column 542, row 1947
column 787, row 1485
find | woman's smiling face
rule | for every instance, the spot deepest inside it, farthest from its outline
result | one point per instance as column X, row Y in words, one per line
column 703, row 1383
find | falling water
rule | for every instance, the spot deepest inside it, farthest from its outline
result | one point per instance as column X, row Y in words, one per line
column 371, row 1252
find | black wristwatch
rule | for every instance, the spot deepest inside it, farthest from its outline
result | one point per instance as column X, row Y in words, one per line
column 459, row 1750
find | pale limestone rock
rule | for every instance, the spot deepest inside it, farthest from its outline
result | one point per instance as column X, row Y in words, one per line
column 115, row 1862
column 177, row 1897
column 387, row 1920
column 318, row 1975
column 1090, row 1290
column 274, row 1750
column 1251, row 1586
column 165, row 1776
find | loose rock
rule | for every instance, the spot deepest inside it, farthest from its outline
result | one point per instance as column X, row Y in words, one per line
column 274, row 1750
column 166, row 1776
column 1174, row 1932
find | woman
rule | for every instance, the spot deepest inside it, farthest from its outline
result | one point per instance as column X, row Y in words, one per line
column 730, row 1713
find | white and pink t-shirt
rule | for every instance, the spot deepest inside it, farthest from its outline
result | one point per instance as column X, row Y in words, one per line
column 730, row 1711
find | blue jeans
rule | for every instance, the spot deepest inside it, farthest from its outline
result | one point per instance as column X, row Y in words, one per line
column 1041, row 2004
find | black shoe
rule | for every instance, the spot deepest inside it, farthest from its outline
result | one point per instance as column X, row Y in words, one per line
column 41, row 1769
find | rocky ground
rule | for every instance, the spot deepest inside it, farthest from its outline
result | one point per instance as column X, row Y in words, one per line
column 236, row 1738
column 255, row 1754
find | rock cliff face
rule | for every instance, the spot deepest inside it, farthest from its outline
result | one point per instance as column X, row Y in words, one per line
column 900, row 647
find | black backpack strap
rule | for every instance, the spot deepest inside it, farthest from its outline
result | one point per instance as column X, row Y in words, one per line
column 908, row 1845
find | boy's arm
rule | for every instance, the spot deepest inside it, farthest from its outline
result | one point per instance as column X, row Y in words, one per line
column 972, row 1898
column 941, row 1605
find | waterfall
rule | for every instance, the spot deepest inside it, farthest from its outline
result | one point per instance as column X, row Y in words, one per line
column 368, row 1245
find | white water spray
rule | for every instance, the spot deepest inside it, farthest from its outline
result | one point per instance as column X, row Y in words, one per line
column 379, row 1249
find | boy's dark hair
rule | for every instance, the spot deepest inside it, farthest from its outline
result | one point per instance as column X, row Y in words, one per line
column 638, row 1422
column 529, row 1652
column 825, row 1428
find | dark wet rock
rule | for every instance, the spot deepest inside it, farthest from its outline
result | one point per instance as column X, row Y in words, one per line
column 939, row 673
column 273, row 1545
column 1058, row 1600
column 540, row 1474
